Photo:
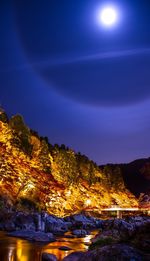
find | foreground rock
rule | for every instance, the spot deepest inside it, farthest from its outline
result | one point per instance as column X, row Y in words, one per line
column 56, row 225
column 80, row 225
column 81, row 221
column 80, row 232
column 119, row 240
column 122, row 240
column 76, row 256
column 48, row 257
column 120, row 252
column 135, row 230
column 64, row 248
column 33, row 236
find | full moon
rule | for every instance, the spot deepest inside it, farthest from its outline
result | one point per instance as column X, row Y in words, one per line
column 108, row 16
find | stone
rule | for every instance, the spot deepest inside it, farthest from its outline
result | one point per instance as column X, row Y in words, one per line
column 69, row 236
column 75, row 256
column 80, row 221
column 9, row 226
column 120, row 252
column 104, row 236
column 55, row 225
column 33, row 236
column 24, row 221
column 48, row 257
column 80, row 232
column 64, row 248
column 133, row 231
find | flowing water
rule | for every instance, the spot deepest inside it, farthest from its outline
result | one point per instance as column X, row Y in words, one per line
column 14, row 249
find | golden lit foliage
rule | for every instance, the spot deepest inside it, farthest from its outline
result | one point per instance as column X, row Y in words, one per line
column 61, row 181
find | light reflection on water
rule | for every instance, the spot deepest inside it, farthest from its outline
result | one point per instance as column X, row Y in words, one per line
column 13, row 249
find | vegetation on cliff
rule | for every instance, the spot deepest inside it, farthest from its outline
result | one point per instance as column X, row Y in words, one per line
column 55, row 178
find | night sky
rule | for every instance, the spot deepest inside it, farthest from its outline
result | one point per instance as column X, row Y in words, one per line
column 76, row 81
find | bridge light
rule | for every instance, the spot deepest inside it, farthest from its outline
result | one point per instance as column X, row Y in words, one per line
column 88, row 202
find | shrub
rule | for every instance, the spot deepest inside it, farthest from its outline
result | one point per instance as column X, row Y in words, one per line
column 27, row 204
column 102, row 242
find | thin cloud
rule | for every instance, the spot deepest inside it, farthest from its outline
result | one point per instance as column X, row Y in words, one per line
column 70, row 60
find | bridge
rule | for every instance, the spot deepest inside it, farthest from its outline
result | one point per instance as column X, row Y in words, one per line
column 119, row 210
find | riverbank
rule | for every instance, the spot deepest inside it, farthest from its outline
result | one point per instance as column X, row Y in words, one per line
column 123, row 239
column 19, row 223
column 12, row 248
column 119, row 240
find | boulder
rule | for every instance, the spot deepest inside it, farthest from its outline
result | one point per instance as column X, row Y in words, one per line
column 142, row 237
column 120, row 252
column 24, row 221
column 55, row 225
column 120, row 234
column 80, row 221
column 7, row 221
column 104, row 237
column 9, row 226
column 75, row 256
column 69, row 236
column 33, row 236
column 80, row 232
column 126, row 230
column 64, row 248
column 48, row 257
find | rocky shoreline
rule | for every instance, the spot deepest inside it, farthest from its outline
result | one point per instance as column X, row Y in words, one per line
column 18, row 223
column 117, row 239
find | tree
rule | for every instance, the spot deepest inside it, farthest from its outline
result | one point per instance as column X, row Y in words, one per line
column 107, row 173
column 21, row 134
column 3, row 116
column 44, row 156
column 64, row 165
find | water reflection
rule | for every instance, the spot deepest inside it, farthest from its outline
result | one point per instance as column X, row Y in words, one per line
column 13, row 249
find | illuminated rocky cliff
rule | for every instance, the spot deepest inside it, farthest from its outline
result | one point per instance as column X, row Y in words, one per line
column 54, row 178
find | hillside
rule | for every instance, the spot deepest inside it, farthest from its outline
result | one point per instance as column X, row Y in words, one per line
column 136, row 175
column 54, row 178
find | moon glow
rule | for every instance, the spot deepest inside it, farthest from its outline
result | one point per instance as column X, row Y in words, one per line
column 108, row 16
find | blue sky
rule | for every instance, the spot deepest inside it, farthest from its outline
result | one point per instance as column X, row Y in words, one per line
column 76, row 83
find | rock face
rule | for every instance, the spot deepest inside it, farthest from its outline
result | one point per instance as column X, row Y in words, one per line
column 11, row 221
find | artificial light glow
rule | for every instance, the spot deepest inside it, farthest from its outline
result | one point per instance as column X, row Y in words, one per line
column 68, row 193
column 88, row 202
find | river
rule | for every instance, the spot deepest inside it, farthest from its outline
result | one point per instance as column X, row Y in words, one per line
column 15, row 249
